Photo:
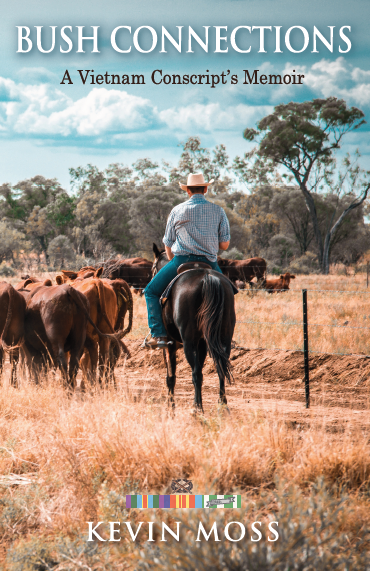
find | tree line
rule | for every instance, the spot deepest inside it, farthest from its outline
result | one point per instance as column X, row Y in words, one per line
column 294, row 203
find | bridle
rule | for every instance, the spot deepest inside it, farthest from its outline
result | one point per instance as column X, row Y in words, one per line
column 156, row 262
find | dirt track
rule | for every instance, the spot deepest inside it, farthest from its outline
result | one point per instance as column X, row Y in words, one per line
column 265, row 380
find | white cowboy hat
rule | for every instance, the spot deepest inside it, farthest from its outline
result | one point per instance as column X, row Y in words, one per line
column 196, row 179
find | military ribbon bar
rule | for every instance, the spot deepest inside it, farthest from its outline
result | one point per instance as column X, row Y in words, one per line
column 183, row 501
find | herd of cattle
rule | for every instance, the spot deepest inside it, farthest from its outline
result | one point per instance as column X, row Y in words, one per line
column 137, row 272
column 79, row 322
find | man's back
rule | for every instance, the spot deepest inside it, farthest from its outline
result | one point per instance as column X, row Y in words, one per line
column 196, row 227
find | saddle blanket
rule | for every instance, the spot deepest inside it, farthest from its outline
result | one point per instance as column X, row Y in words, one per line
column 184, row 501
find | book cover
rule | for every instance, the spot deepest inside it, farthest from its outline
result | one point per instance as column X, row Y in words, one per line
column 106, row 110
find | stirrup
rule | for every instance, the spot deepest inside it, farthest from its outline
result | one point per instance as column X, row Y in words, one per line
column 163, row 345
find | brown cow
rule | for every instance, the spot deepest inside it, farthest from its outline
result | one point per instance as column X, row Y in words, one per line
column 30, row 284
column 82, row 274
column 12, row 311
column 243, row 270
column 124, row 303
column 279, row 284
column 28, row 280
column 126, row 262
column 104, row 313
column 108, row 302
column 55, row 323
column 137, row 272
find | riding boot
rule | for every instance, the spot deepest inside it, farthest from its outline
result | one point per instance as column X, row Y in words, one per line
column 157, row 343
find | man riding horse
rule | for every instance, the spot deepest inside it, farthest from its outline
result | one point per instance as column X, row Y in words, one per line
column 195, row 231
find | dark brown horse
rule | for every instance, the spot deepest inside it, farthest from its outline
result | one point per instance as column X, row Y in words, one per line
column 199, row 314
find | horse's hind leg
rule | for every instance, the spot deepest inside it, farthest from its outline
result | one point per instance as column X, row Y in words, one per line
column 2, row 360
column 195, row 354
column 222, row 399
column 171, row 372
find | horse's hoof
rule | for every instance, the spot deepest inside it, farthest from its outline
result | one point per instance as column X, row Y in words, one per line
column 171, row 412
column 197, row 412
column 222, row 407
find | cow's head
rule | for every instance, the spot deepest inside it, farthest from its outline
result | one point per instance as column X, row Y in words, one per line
column 286, row 279
column 69, row 275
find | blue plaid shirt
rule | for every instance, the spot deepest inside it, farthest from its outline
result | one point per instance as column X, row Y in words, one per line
column 196, row 227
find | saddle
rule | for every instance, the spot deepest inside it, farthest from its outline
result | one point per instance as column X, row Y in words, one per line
column 193, row 266
column 189, row 267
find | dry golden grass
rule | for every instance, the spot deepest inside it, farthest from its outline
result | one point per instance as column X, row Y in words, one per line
column 274, row 321
column 76, row 448
column 80, row 454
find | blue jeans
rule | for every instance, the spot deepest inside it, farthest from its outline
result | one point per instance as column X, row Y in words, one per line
column 156, row 287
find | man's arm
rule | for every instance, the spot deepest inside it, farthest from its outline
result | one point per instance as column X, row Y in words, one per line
column 224, row 232
column 223, row 245
column 169, row 252
column 169, row 237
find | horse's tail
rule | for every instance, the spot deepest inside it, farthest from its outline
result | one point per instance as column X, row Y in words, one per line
column 210, row 322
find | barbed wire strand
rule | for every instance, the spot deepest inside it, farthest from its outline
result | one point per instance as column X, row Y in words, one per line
column 257, row 289
column 300, row 323
column 302, row 351
column 288, row 323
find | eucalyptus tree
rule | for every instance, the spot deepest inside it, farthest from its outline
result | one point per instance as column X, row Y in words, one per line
column 303, row 138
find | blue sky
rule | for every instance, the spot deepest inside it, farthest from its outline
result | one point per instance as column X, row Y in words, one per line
column 45, row 127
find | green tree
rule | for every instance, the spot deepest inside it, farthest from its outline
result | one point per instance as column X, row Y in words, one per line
column 281, row 251
column 260, row 222
column 40, row 230
column 195, row 158
column 146, row 174
column 87, row 179
column 40, row 207
column 13, row 242
column 290, row 207
column 149, row 213
column 60, row 251
column 302, row 138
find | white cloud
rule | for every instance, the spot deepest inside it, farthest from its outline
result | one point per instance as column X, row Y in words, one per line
column 325, row 78
column 8, row 90
column 40, row 110
column 102, row 111
column 43, row 112
column 210, row 117
column 115, row 118
column 340, row 79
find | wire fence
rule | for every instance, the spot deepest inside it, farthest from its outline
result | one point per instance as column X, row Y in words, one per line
column 305, row 327
column 300, row 334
